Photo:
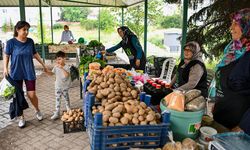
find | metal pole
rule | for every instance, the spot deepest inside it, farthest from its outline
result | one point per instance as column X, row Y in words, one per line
column 22, row 10
column 99, row 25
column 51, row 21
column 122, row 16
column 145, row 26
column 184, row 27
column 41, row 27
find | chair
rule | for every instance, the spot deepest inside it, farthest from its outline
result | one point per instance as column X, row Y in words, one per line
column 171, row 64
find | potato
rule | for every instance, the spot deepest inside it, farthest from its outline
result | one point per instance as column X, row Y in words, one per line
column 128, row 116
column 143, row 122
column 152, row 122
column 93, row 89
column 104, row 85
column 113, row 120
column 124, row 99
column 116, row 115
column 112, row 75
column 106, row 78
column 99, row 87
column 124, row 120
column 118, row 98
column 105, row 92
column 104, row 102
column 151, row 112
column 109, row 107
column 117, row 109
column 118, row 124
column 150, row 117
column 111, row 86
column 128, row 108
column 70, row 119
column 141, row 112
column 117, row 89
column 134, row 109
column 143, row 105
column 135, row 121
column 94, row 111
column 111, row 80
column 123, row 85
column 111, row 124
column 99, row 95
column 107, row 112
column 140, row 118
column 158, row 116
column 99, row 80
column 123, row 89
column 118, row 93
column 129, row 89
column 134, row 93
column 100, row 107
column 105, row 124
column 136, row 115
column 105, row 118
column 111, row 95
column 94, row 107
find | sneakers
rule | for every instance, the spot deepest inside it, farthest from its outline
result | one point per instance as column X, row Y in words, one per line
column 55, row 116
column 21, row 123
column 39, row 115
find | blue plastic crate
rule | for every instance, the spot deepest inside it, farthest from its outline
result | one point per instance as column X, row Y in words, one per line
column 124, row 137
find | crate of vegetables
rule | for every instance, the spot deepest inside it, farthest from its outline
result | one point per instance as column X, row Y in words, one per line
column 124, row 125
column 73, row 121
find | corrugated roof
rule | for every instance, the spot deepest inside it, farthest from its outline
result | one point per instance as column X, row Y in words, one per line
column 72, row 3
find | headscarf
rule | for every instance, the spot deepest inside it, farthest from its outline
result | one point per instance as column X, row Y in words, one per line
column 196, row 50
column 127, row 34
column 236, row 48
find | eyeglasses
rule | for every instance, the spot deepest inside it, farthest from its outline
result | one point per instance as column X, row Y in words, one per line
column 187, row 49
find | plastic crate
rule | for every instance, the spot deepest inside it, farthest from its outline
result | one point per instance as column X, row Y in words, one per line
column 74, row 126
column 124, row 137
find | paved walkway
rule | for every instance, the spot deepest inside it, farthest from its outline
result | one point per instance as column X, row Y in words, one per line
column 45, row 134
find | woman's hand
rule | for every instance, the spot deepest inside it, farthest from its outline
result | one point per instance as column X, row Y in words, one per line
column 138, row 62
column 5, row 72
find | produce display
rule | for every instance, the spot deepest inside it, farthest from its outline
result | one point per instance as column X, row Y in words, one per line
column 120, row 103
column 72, row 115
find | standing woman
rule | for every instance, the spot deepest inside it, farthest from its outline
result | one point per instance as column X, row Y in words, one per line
column 132, row 48
column 232, row 107
column 67, row 35
column 21, row 51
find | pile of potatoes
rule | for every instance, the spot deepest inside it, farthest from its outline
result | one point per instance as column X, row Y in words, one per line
column 112, row 88
column 72, row 115
column 130, row 112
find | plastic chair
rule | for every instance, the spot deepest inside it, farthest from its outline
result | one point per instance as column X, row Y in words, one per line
column 171, row 64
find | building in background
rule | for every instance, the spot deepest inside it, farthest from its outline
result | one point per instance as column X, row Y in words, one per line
column 171, row 40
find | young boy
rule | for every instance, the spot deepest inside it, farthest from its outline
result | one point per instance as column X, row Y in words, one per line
column 62, row 83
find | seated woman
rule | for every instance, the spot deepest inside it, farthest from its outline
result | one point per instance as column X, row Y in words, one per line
column 191, row 72
column 232, row 107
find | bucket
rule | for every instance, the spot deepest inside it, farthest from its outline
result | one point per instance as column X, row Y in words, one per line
column 184, row 124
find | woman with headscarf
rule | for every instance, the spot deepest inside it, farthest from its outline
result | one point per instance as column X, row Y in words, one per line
column 132, row 48
column 191, row 72
column 232, row 107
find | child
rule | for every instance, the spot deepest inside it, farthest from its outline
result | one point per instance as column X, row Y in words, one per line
column 62, row 83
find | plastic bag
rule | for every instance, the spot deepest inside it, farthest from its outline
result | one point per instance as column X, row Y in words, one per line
column 175, row 101
column 74, row 73
column 192, row 94
column 196, row 104
column 172, row 145
column 6, row 89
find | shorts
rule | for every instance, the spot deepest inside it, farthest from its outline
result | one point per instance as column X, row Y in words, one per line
column 30, row 84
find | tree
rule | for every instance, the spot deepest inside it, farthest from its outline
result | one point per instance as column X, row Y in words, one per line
column 134, row 16
column 46, row 33
column 74, row 14
column 107, row 21
column 210, row 25
column 173, row 21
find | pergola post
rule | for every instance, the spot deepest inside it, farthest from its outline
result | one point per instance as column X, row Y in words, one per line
column 41, row 28
column 122, row 16
column 22, row 10
column 99, row 25
column 184, row 27
column 51, row 21
column 145, row 26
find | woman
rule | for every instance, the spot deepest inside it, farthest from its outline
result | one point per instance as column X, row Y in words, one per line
column 232, row 107
column 67, row 36
column 21, row 49
column 132, row 48
column 191, row 72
